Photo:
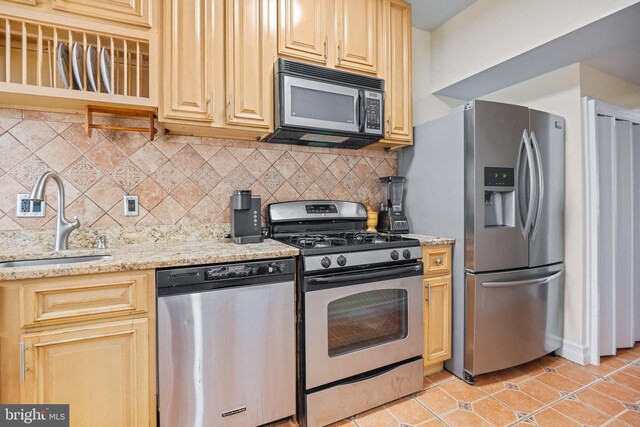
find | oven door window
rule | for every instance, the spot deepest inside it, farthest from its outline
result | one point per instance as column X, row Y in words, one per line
column 367, row 319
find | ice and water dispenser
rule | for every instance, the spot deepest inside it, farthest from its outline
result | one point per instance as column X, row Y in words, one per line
column 499, row 197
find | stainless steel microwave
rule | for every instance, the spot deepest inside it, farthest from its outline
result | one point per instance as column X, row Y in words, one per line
column 323, row 107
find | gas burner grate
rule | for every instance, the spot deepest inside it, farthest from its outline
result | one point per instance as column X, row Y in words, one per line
column 362, row 238
column 318, row 241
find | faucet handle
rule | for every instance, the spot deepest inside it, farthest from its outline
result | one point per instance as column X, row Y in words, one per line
column 102, row 242
column 76, row 222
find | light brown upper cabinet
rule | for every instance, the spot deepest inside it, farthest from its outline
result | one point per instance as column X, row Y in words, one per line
column 134, row 12
column 187, row 83
column 250, row 54
column 356, row 35
column 218, row 66
column 302, row 30
column 397, row 73
column 334, row 33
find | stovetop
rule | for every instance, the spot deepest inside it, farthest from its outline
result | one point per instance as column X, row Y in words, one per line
column 335, row 242
column 321, row 240
column 331, row 235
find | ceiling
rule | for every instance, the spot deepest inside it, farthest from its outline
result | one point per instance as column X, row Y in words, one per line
column 430, row 14
column 610, row 45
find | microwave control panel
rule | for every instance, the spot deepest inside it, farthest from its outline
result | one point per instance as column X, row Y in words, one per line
column 373, row 106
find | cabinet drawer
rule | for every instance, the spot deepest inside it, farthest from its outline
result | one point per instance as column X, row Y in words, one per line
column 72, row 299
column 437, row 260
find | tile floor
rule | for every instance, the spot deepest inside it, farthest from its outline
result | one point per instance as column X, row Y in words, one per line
column 550, row 391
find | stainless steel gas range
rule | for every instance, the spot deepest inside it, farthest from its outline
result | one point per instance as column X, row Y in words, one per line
column 359, row 309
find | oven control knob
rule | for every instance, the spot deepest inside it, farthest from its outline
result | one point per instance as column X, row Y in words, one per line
column 326, row 262
column 395, row 255
column 406, row 254
column 341, row 261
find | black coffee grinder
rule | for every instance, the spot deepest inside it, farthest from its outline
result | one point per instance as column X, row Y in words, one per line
column 391, row 217
column 246, row 222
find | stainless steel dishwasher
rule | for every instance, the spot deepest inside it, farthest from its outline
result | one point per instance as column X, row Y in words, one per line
column 226, row 344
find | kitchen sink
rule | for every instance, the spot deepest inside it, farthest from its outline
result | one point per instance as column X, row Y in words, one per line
column 69, row 260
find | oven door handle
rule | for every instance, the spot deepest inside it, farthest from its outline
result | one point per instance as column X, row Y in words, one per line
column 411, row 270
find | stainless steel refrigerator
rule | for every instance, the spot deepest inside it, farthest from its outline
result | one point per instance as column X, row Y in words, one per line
column 491, row 175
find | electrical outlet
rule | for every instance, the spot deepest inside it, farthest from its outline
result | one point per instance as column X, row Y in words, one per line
column 131, row 207
column 25, row 207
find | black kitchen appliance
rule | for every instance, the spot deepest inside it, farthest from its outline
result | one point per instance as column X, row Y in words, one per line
column 246, row 222
column 391, row 218
column 323, row 107
column 359, row 314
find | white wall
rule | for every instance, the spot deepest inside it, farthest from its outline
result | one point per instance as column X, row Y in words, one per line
column 425, row 105
column 491, row 31
column 609, row 89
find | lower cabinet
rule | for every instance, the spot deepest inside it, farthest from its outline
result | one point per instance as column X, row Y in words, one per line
column 101, row 371
column 437, row 307
column 92, row 346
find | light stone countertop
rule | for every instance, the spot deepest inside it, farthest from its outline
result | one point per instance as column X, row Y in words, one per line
column 427, row 240
column 146, row 256
column 139, row 248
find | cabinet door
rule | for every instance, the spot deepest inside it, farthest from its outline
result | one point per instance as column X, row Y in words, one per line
column 134, row 12
column 397, row 21
column 302, row 29
column 250, row 55
column 357, row 35
column 437, row 319
column 102, row 371
column 187, row 55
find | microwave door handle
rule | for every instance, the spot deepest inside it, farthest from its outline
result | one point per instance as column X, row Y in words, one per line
column 363, row 110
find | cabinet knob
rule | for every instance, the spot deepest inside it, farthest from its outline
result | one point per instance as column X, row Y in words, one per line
column 438, row 261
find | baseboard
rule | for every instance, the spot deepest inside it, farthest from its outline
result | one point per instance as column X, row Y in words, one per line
column 575, row 352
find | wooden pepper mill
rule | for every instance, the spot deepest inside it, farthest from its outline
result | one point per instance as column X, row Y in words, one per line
column 372, row 217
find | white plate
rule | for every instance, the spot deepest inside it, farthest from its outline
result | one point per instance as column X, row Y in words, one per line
column 92, row 68
column 77, row 65
column 105, row 69
column 63, row 64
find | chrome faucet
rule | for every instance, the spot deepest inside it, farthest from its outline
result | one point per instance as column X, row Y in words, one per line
column 63, row 227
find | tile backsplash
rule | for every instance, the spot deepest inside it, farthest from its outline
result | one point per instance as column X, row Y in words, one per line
column 179, row 179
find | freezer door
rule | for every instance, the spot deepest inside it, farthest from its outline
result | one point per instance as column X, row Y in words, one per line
column 512, row 317
column 547, row 232
column 494, row 135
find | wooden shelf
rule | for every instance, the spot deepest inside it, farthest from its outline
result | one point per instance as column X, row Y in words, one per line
column 29, row 63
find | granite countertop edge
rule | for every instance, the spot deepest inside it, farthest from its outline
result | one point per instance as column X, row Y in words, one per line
column 428, row 240
column 143, row 257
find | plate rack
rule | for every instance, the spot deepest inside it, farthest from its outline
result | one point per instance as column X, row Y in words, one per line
column 30, row 54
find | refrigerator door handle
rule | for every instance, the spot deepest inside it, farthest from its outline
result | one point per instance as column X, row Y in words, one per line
column 512, row 283
column 540, row 174
column 533, row 193
column 520, row 211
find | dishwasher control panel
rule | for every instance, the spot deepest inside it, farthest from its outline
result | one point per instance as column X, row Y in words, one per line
column 180, row 280
column 247, row 270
